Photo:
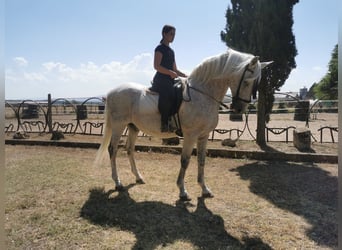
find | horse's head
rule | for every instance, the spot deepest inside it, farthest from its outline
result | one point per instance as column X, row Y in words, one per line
column 247, row 85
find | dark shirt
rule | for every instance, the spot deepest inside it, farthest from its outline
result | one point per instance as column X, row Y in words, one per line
column 168, row 58
column 163, row 83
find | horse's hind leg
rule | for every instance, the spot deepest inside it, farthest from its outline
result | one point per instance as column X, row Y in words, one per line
column 112, row 150
column 130, row 146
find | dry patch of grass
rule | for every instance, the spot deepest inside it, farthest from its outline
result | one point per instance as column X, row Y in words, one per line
column 56, row 199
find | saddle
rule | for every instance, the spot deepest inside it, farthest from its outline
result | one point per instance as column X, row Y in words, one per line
column 178, row 88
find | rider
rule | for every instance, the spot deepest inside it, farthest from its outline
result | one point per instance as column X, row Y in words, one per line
column 165, row 65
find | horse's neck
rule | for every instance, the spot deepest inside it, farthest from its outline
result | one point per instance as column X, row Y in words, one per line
column 215, row 88
column 221, row 88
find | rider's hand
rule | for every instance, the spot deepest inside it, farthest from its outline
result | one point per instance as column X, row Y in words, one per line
column 173, row 74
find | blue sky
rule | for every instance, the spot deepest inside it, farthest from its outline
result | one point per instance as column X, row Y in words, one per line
column 83, row 48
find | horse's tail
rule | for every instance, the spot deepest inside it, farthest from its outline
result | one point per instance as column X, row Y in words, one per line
column 103, row 149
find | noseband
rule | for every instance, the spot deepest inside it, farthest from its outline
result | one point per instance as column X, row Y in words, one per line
column 255, row 86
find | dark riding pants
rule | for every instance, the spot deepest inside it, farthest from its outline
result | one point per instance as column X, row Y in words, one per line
column 164, row 86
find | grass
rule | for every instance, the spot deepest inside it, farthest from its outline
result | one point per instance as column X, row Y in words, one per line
column 56, row 199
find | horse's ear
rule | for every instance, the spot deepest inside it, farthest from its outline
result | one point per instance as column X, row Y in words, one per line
column 252, row 65
column 264, row 64
column 254, row 61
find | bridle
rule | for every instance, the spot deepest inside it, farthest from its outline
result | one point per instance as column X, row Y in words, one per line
column 235, row 98
column 255, row 87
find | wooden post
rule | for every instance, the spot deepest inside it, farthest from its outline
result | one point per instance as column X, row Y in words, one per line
column 49, row 113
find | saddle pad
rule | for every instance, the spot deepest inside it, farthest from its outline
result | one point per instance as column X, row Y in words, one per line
column 148, row 102
column 151, row 92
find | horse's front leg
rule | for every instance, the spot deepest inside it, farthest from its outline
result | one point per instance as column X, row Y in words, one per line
column 201, row 154
column 188, row 145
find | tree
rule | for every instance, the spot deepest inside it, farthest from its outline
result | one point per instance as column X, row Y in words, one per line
column 311, row 92
column 327, row 88
column 264, row 28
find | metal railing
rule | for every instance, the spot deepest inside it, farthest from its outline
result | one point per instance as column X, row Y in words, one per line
column 87, row 117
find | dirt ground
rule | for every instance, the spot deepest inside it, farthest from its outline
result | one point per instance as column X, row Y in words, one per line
column 56, row 199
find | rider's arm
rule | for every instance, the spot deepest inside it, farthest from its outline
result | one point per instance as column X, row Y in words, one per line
column 157, row 61
column 179, row 73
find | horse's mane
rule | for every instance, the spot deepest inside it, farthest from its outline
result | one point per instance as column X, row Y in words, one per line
column 220, row 66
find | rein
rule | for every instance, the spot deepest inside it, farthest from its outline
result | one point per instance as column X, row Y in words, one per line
column 188, row 87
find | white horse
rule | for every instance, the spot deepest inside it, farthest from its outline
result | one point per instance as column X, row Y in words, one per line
column 135, row 107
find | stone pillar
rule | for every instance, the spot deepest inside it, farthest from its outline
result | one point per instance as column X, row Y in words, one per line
column 82, row 113
column 302, row 139
column 235, row 117
column 302, row 111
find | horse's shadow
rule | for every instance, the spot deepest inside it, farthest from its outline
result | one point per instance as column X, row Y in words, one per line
column 305, row 190
column 158, row 224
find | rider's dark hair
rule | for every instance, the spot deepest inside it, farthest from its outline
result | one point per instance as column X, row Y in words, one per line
column 166, row 29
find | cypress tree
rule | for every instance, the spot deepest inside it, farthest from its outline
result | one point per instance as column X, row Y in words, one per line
column 327, row 88
column 264, row 28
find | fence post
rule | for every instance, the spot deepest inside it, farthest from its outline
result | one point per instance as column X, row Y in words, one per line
column 49, row 113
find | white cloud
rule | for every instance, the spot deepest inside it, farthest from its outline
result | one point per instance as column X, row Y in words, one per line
column 31, row 77
column 86, row 80
column 20, row 61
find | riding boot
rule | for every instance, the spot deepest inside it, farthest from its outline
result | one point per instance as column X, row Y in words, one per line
column 164, row 128
column 164, row 124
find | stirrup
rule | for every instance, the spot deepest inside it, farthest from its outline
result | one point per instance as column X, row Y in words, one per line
column 179, row 132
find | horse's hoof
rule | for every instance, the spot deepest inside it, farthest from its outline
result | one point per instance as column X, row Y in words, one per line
column 207, row 195
column 140, row 181
column 184, row 198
